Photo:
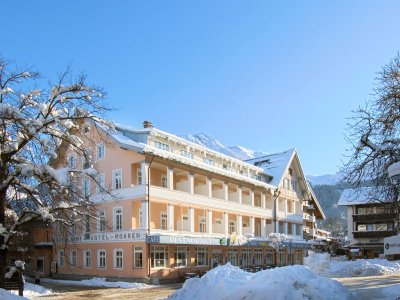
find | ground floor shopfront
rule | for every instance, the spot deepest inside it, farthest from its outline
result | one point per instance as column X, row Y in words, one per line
column 135, row 255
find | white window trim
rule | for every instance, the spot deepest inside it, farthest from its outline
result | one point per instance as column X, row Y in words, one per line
column 166, row 220
column 76, row 258
column 61, row 254
column 97, row 151
column 113, row 179
column 114, row 218
column 102, row 187
column 84, row 258
column 134, row 257
column 98, row 220
column 98, row 259
column 115, row 258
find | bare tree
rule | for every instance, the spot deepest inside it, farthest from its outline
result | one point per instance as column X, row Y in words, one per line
column 36, row 127
column 374, row 138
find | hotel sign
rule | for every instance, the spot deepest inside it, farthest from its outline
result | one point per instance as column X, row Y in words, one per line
column 115, row 236
column 183, row 240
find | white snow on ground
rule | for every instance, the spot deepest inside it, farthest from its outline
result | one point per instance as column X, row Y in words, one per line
column 292, row 282
column 6, row 295
column 96, row 281
column 32, row 290
column 323, row 264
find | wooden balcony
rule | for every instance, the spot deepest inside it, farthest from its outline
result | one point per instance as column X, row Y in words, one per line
column 375, row 217
column 373, row 234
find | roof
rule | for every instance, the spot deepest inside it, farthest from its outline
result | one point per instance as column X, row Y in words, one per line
column 275, row 164
column 364, row 195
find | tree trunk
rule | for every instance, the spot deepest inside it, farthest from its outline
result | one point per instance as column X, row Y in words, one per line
column 3, row 249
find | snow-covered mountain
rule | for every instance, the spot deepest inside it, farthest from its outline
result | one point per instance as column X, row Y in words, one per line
column 244, row 153
column 208, row 141
column 327, row 179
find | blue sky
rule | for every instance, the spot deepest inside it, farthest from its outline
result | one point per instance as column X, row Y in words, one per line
column 267, row 75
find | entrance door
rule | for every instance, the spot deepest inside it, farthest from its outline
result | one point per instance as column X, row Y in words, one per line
column 40, row 264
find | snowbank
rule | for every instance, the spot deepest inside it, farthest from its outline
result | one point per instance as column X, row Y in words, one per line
column 322, row 264
column 292, row 282
column 31, row 291
column 5, row 295
column 96, row 281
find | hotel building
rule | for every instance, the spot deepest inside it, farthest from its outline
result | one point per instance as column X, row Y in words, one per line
column 177, row 207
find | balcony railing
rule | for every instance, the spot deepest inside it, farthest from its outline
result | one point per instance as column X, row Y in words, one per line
column 374, row 217
column 373, row 234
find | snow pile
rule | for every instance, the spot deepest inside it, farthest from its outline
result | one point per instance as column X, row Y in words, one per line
column 322, row 264
column 292, row 282
column 97, row 281
column 33, row 290
column 6, row 295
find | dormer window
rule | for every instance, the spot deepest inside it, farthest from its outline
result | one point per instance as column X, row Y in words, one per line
column 162, row 146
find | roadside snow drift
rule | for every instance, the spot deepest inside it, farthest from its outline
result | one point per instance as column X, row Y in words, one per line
column 6, row 295
column 292, row 282
column 322, row 264
column 102, row 282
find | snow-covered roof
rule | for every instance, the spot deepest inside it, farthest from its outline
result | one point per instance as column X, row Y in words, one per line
column 275, row 164
column 363, row 195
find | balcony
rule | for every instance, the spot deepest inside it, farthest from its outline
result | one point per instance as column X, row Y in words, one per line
column 373, row 234
column 374, row 217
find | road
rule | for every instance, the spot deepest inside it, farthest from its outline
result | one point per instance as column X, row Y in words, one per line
column 364, row 288
column 370, row 287
column 66, row 292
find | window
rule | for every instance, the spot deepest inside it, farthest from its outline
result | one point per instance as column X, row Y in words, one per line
column 86, row 159
column 73, row 258
column 100, row 151
column 162, row 146
column 164, row 221
column 86, row 186
column 232, row 227
column 268, row 258
column 86, row 223
column 61, row 258
column 117, row 212
column 139, row 177
column 286, row 183
column 140, row 218
column 258, row 261
column 101, row 222
column 232, row 257
column 208, row 161
column 187, row 154
column 87, row 258
column 72, row 161
column 137, row 257
column 298, row 229
column 164, row 182
column 244, row 173
column 201, row 256
column 118, row 258
column 245, row 258
column 293, row 185
column 257, row 201
column 117, row 179
column 281, row 227
column 159, row 256
column 218, row 221
column 289, row 228
column 257, row 177
column 101, row 183
column 227, row 167
column 101, row 259
column 181, row 256
column 202, row 224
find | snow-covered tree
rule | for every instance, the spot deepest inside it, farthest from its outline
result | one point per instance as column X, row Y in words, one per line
column 37, row 125
column 374, row 138
column 277, row 240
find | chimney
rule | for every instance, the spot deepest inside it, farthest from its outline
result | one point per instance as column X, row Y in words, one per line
column 147, row 124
